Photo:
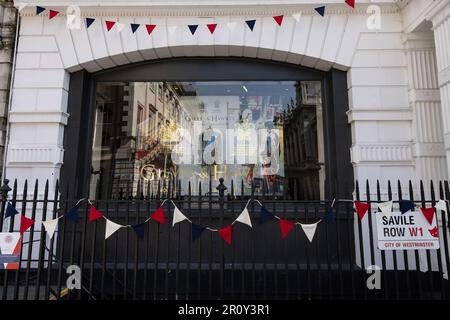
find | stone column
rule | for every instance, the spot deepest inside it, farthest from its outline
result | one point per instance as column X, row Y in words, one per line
column 424, row 99
column 8, row 20
column 441, row 27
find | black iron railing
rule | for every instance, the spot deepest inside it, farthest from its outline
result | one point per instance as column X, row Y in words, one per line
column 258, row 264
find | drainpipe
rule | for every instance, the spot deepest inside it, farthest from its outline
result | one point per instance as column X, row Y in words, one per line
column 9, row 32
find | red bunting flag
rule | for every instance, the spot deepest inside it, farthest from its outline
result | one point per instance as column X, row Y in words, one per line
column 212, row 27
column 150, row 28
column 428, row 214
column 351, row 3
column 25, row 223
column 52, row 14
column 361, row 209
column 109, row 25
column 94, row 214
column 159, row 216
column 286, row 227
column 279, row 19
column 225, row 233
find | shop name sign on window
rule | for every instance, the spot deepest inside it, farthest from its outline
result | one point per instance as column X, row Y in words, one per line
column 408, row 231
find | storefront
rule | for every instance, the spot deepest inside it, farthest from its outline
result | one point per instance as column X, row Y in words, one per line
column 318, row 101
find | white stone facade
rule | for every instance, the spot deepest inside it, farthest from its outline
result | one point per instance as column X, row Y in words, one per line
column 398, row 76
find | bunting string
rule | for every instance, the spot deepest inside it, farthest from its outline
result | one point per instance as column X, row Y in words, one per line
column 286, row 226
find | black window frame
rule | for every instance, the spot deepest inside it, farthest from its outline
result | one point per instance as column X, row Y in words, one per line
column 78, row 135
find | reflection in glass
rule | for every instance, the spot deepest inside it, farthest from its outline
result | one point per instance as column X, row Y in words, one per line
column 268, row 133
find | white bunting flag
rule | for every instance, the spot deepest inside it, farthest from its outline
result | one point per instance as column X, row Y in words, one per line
column 111, row 228
column 441, row 205
column 120, row 26
column 244, row 218
column 310, row 230
column 50, row 226
column 178, row 216
column 297, row 16
column 386, row 208
column 22, row 6
column 231, row 25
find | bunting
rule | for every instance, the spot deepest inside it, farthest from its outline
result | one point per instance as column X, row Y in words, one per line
column 330, row 217
column 134, row 27
column 429, row 214
column 193, row 28
column 94, row 214
column 320, row 10
column 279, row 19
column 111, row 228
column 212, row 27
column 25, row 223
column 361, row 209
column 244, row 218
column 285, row 227
column 406, row 205
column 39, row 10
column 52, row 14
column 386, row 208
column 89, row 22
column 139, row 229
column 159, row 216
column 178, row 216
column 265, row 215
column 197, row 231
column 150, row 28
column 109, row 25
column 10, row 211
column 310, row 230
column 351, row 3
column 250, row 24
column 73, row 216
column 225, row 233
column 50, row 227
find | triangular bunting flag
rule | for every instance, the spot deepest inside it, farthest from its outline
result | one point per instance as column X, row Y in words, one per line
column 22, row 6
column 50, row 227
column 406, row 205
column 119, row 26
column 320, row 10
column 150, row 28
column 73, row 216
column 231, row 25
column 310, row 230
column 279, row 19
column 265, row 215
column 139, row 229
column 386, row 208
column 351, row 3
column 109, row 25
column 244, row 218
column 94, row 214
column 441, row 205
column 212, row 27
column 39, row 9
column 361, row 209
column 286, row 227
column 111, row 228
column 52, row 14
column 297, row 16
column 25, row 223
column 193, row 28
column 250, row 24
column 197, row 231
column 10, row 211
column 134, row 27
column 225, row 233
column 178, row 216
column 89, row 21
column 330, row 217
column 428, row 214
column 159, row 216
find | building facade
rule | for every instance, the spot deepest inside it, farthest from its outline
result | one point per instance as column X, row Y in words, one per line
column 392, row 80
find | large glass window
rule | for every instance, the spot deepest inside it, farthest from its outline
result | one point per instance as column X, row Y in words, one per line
column 266, row 132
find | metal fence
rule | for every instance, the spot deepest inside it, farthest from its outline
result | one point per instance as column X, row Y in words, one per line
column 258, row 264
